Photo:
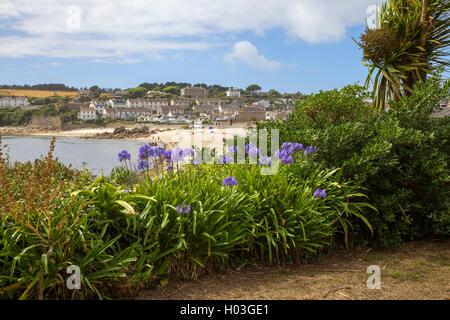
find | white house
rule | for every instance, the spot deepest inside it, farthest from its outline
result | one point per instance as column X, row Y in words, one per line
column 98, row 106
column 87, row 113
column 133, row 113
column 235, row 93
column 183, row 102
column 265, row 104
column 117, row 103
column 147, row 103
column 13, row 102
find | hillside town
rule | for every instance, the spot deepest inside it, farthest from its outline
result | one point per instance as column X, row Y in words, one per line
column 194, row 103
column 191, row 104
column 166, row 104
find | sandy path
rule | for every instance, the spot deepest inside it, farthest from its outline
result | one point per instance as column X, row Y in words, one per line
column 415, row 271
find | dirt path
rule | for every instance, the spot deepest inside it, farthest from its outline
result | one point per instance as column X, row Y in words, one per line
column 415, row 271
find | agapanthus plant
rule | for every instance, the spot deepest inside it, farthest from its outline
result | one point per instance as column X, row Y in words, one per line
column 320, row 193
column 229, row 181
column 184, row 209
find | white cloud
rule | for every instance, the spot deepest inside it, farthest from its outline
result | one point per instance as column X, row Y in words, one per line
column 123, row 28
column 246, row 53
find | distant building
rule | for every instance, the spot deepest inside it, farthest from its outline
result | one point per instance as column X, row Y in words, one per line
column 194, row 92
column 132, row 113
column 117, row 103
column 212, row 102
column 87, row 113
column 98, row 106
column 175, row 109
column 250, row 114
column 152, row 104
column 119, row 93
column 234, row 93
column 13, row 102
column 185, row 103
column 265, row 104
column 443, row 110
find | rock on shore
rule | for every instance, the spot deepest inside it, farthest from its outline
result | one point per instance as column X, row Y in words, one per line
column 124, row 133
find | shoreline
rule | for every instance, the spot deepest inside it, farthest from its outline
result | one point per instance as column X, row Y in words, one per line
column 170, row 135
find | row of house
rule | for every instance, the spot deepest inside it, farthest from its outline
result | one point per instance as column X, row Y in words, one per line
column 13, row 102
column 211, row 108
column 199, row 92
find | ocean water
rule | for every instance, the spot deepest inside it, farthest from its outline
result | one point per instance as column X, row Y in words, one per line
column 99, row 156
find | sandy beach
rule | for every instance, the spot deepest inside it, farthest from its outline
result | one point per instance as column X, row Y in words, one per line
column 170, row 135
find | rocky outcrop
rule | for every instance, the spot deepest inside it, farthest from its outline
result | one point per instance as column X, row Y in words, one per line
column 124, row 133
column 46, row 123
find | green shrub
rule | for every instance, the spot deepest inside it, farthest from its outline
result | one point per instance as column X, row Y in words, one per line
column 178, row 226
column 401, row 157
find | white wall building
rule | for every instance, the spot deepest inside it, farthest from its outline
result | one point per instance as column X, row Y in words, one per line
column 98, row 106
column 235, row 93
column 262, row 104
column 117, row 103
column 87, row 113
column 133, row 113
column 13, row 102
column 147, row 103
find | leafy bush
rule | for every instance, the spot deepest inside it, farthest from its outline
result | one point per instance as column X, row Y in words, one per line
column 14, row 116
column 180, row 225
column 401, row 157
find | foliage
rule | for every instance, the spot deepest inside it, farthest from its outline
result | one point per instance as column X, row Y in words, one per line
column 400, row 156
column 331, row 107
column 178, row 225
column 411, row 42
column 172, row 90
column 253, row 88
column 138, row 92
column 14, row 116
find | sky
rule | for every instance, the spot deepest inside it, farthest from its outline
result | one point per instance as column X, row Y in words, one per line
column 287, row 45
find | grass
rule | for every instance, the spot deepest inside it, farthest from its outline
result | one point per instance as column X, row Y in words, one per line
column 36, row 93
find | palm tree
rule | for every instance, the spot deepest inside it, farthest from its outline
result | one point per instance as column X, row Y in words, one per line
column 411, row 41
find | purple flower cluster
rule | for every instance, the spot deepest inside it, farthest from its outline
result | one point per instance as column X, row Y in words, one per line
column 226, row 159
column 148, row 151
column 124, row 155
column 286, row 154
column 265, row 160
column 251, row 150
column 184, row 209
column 178, row 155
column 309, row 150
column 319, row 193
column 160, row 155
column 142, row 165
column 229, row 181
column 233, row 149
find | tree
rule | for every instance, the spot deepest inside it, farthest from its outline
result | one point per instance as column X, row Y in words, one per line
column 172, row 90
column 253, row 88
column 104, row 97
column 411, row 41
column 201, row 85
column 273, row 93
column 332, row 107
column 135, row 93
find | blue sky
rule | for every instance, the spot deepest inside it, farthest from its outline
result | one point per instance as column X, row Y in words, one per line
column 306, row 49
